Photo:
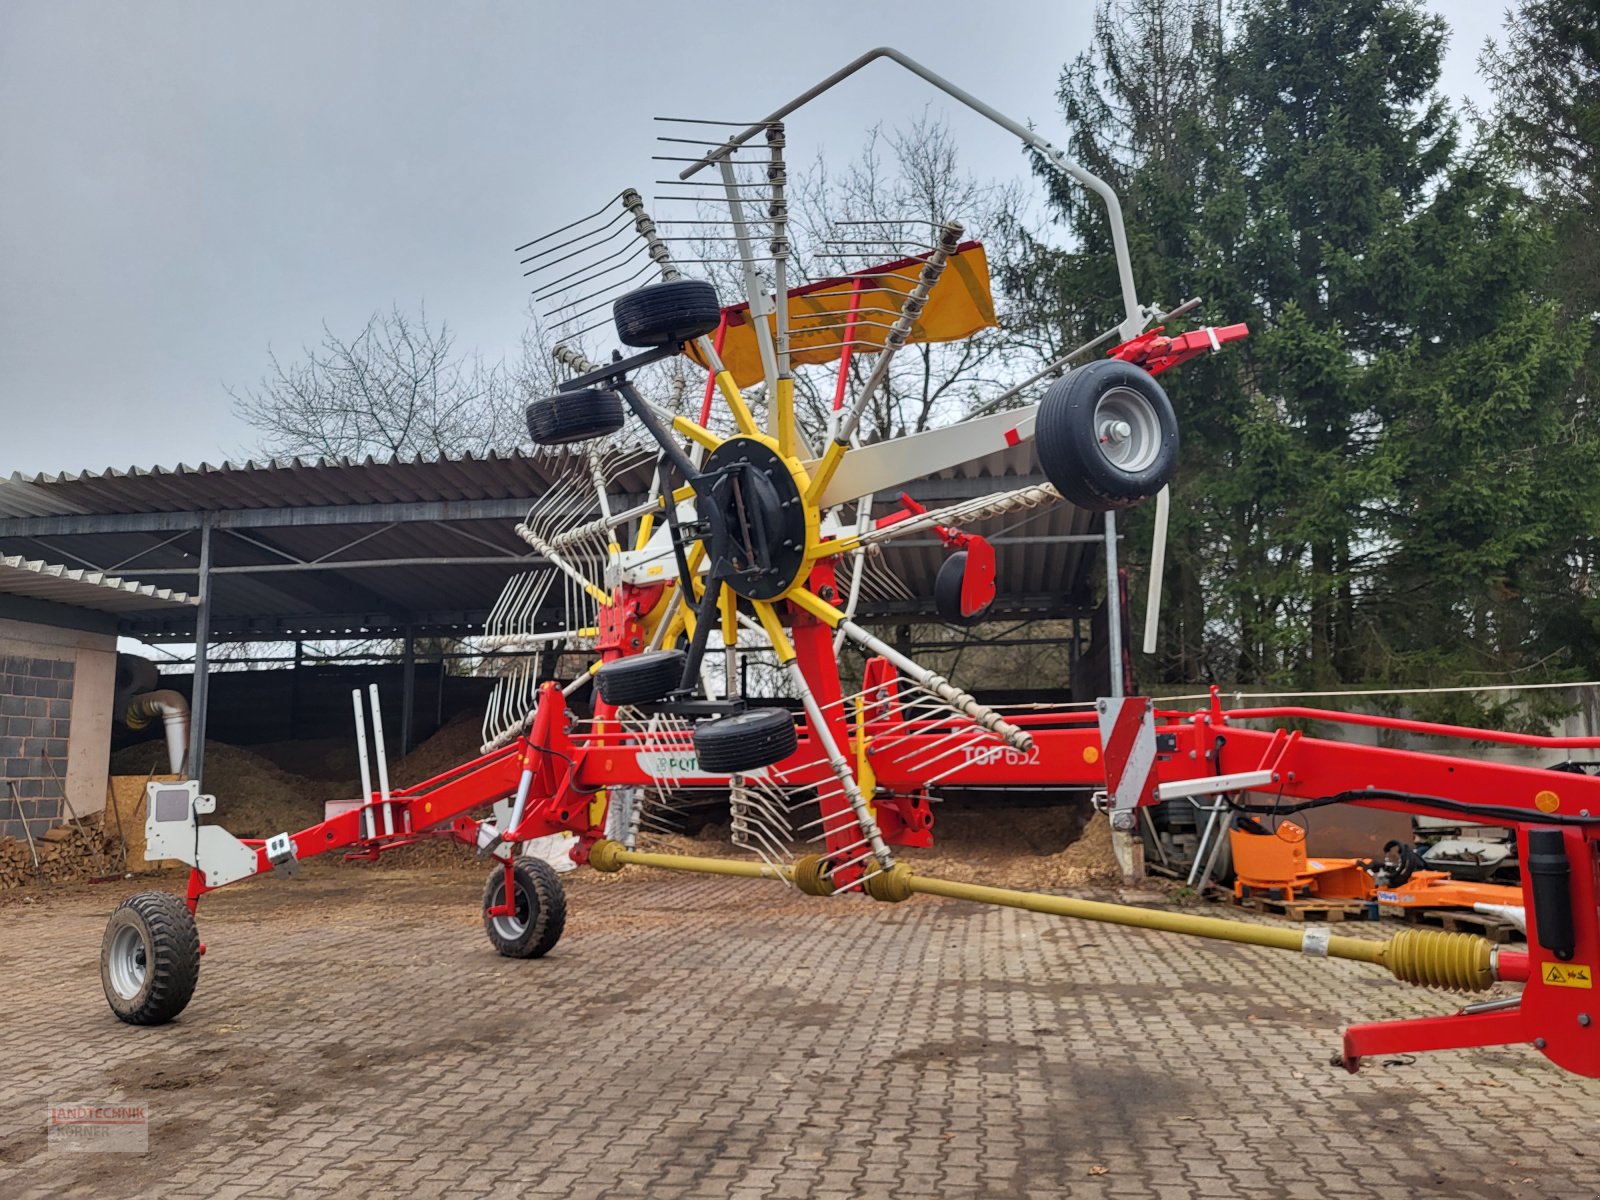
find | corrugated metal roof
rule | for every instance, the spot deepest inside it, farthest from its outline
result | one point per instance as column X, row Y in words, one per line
column 82, row 588
column 430, row 594
column 306, row 482
column 280, row 483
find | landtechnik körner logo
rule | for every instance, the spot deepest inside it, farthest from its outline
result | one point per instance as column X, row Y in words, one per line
column 103, row 1128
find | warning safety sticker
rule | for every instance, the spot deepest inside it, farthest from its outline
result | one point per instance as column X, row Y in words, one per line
column 1567, row 974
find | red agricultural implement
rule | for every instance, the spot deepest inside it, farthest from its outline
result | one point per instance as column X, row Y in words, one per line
column 753, row 546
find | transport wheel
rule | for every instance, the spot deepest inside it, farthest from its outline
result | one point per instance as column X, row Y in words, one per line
column 641, row 678
column 150, row 958
column 947, row 592
column 667, row 314
column 1107, row 436
column 541, row 909
column 569, row 417
column 757, row 737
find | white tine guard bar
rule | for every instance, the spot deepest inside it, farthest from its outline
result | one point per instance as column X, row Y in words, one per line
column 383, row 761
column 1158, row 566
column 366, row 768
column 1135, row 318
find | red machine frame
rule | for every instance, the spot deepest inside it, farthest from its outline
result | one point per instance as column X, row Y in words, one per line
column 561, row 770
column 570, row 771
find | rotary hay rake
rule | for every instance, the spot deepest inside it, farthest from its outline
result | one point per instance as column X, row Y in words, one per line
column 755, row 545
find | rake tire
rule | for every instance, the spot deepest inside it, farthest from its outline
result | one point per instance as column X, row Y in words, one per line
column 641, row 678
column 757, row 737
column 947, row 592
column 1067, row 436
column 667, row 314
column 578, row 416
column 150, row 958
column 541, row 909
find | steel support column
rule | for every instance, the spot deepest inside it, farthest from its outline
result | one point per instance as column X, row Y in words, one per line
column 1113, row 605
column 408, row 690
column 438, row 701
column 294, row 689
column 202, row 641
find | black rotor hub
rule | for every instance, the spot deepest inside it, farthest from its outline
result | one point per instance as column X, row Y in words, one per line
column 753, row 516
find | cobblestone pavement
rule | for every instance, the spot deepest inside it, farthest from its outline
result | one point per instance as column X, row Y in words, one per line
column 353, row 1034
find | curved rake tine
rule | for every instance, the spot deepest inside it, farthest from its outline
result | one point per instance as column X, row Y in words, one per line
column 1158, row 563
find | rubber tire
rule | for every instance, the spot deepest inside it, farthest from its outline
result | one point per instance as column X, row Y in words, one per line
column 757, row 737
column 1068, row 444
column 172, row 957
column 641, row 678
column 947, row 592
column 578, row 416
column 541, row 903
column 667, row 314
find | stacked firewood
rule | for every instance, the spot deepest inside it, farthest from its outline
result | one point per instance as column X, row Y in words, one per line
column 72, row 853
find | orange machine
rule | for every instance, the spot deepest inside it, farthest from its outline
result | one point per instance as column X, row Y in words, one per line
column 1275, row 863
column 1436, row 889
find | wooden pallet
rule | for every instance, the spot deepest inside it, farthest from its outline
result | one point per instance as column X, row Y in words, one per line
column 1458, row 920
column 1330, row 911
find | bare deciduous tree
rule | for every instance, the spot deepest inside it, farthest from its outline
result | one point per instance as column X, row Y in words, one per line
column 396, row 388
column 890, row 200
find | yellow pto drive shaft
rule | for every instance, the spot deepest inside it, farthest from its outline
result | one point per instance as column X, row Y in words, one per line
column 1426, row 957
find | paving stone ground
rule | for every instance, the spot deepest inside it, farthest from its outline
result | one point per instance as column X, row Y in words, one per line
column 353, row 1034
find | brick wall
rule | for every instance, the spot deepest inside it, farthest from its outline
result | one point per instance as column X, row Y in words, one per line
column 35, row 723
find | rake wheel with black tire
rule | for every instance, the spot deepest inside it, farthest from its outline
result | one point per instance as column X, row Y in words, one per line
column 577, row 416
column 541, row 909
column 150, row 958
column 947, row 586
column 641, row 678
column 757, row 737
column 667, row 314
column 1106, row 436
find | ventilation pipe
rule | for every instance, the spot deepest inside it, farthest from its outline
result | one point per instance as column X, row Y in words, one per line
column 173, row 710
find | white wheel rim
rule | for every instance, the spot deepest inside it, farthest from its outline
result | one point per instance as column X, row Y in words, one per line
column 510, row 928
column 128, row 961
column 1127, row 429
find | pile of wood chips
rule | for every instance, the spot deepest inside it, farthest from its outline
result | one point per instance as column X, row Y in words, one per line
column 72, row 853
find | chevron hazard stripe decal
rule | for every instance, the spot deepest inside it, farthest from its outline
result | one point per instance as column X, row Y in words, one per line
column 1128, row 743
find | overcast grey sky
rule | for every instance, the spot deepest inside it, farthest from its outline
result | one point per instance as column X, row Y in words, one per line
column 182, row 184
